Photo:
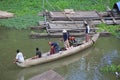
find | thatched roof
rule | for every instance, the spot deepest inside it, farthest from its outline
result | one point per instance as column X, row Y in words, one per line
column 4, row 14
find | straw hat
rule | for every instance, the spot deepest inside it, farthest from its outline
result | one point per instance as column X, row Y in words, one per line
column 64, row 31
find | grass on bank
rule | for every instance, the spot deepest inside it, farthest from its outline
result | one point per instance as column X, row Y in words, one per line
column 20, row 22
column 26, row 11
column 114, row 29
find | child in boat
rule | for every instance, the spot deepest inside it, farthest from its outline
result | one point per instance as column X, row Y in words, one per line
column 72, row 40
column 54, row 47
column 38, row 54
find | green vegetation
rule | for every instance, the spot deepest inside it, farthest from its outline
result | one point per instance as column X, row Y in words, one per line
column 111, row 68
column 26, row 11
column 114, row 29
column 20, row 22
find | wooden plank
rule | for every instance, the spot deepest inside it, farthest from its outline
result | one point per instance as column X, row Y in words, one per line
column 114, row 21
column 109, row 22
column 97, row 21
column 72, row 30
column 67, row 22
column 101, row 17
column 65, row 26
column 48, row 75
column 78, row 15
column 56, row 35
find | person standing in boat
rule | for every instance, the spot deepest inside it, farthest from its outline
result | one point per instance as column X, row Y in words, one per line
column 54, row 47
column 38, row 54
column 87, row 31
column 65, row 39
column 19, row 57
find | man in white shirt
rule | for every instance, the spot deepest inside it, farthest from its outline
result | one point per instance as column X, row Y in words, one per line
column 19, row 57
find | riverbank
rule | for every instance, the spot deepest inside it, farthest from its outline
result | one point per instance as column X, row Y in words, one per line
column 26, row 12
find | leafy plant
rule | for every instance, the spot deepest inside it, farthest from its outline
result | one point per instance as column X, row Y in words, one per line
column 114, row 29
column 111, row 68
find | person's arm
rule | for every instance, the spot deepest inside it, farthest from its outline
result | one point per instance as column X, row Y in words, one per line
column 15, row 60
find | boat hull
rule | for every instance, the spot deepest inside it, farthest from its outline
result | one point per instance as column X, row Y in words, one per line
column 30, row 62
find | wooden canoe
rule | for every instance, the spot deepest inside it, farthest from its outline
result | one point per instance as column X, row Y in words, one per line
column 47, row 58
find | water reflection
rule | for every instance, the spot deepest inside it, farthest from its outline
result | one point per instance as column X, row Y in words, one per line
column 88, row 68
column 109, row 57
column 21, row 78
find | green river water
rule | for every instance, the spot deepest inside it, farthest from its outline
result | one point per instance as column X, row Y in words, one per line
column 84, row 65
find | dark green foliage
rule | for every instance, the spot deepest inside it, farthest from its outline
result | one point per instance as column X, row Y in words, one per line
column 111, row 68
column 114, row 29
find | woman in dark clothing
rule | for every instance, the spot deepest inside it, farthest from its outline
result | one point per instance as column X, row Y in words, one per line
column 54, row 47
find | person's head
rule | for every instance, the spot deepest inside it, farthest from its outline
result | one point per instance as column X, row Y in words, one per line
column 49, row 43
column 37, row 49
column 64, row 31
column 17, row 50
column 73, row 38
column 85, row 23
column 70, row 38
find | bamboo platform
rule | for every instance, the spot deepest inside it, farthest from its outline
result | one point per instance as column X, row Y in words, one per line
column 73, row 22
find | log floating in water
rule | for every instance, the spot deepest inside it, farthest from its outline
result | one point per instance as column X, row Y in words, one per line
column 71, row 30
column 56, row 35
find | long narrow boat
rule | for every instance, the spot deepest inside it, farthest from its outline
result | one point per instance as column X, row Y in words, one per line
column 47, row 58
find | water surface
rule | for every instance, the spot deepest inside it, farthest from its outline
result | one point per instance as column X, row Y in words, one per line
column 84, row 65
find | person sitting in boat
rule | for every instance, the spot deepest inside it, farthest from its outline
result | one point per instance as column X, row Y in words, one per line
column 72, row 40
column 87, row 31
column 19, row 57
column 54, row 47
column 38, row 54
column 65, row 39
